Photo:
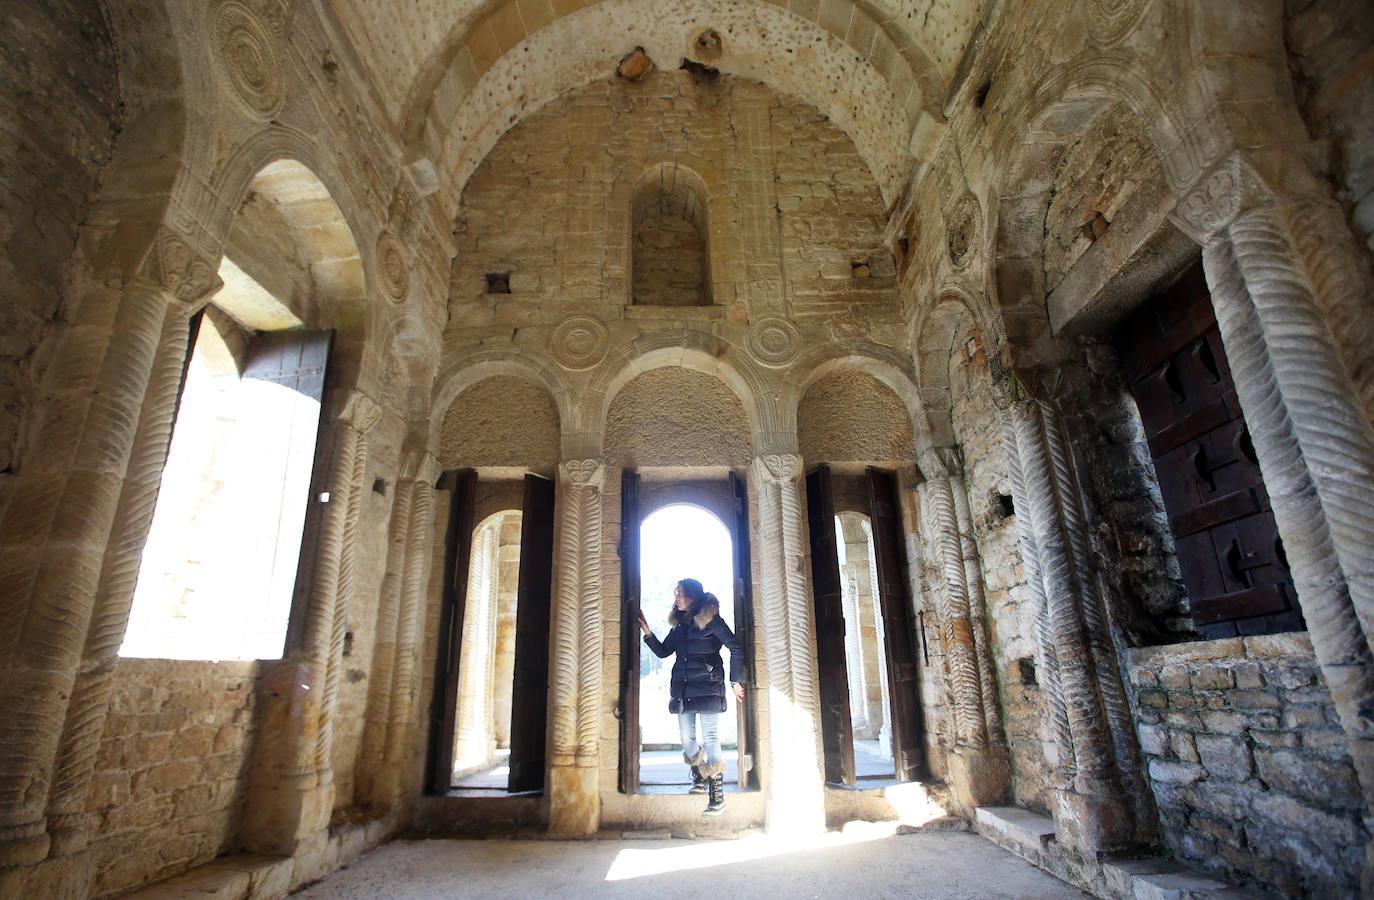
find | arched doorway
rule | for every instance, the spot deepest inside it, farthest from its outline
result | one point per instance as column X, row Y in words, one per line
column 678, row 541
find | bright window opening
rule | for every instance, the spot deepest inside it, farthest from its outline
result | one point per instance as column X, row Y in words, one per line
column 219, row 567
column 865, row 660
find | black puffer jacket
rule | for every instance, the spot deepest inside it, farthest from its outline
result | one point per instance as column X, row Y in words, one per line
column 698, row 681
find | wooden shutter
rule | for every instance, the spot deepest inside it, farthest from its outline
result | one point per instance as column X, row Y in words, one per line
column 534, row 602
column 1224, row 532
column 629, row 632
column 457, row 555
column 837, row 731
column 744, row 625
column 894, row 599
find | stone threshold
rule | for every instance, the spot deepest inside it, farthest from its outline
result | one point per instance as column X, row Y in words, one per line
column 1031, row 836
column 248, row 876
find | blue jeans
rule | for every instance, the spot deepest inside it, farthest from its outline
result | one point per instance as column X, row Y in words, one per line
column 710, row 735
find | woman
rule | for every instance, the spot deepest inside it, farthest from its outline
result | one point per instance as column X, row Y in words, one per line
column 698, row 682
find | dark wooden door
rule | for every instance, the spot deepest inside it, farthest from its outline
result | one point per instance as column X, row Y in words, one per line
column 894, row 600
column 837, row 730
column 628, row 709
column 534, row 601
column 462, row 485
column 1224, row 532
column 744, row 626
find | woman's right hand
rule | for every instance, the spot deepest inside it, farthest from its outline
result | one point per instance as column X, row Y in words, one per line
column 644, row 623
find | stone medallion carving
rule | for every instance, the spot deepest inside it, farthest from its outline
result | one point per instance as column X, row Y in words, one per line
column 964, row 229
column 1111, row 20
column 774, row 341
column 579, row 342
column 391, row 261
column 249, row 59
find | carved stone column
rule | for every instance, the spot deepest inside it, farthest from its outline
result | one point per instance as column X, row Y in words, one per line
column 979, row 769
column 795, row 783
column 1094, row 738
column 575, row 679
column 1309, row 426
column 291, row 796
column 393, row 666
column 59, row 521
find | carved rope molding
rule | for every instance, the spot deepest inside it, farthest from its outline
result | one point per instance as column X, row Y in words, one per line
column 47, row 594
column 577, row 639
column 786, row 636
column 67, row 820
column 977, row 601
column 1313, row 448
column 404, row 708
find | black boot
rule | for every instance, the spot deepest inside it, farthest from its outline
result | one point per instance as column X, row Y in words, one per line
column 716, row 785
column 698, row 782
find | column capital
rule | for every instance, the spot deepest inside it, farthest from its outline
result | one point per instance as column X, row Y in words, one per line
column 779, row 466
column 420, row 465
column 1240, row 182
column 360, row 411
column 940, row 462
column 583, row 473
column 171, row 264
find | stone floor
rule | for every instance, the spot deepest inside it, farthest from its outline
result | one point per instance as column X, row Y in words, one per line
column 871, row 859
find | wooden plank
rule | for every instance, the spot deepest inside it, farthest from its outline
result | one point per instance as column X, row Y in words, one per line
column 894, row 595
column 744, row 626
column 837, row 732
column 457, row 557
column 630, row 633
column 534, row 603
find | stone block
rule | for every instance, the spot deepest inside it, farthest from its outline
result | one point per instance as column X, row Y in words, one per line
column 1225, row 757
column 1213, row 678
column 1172, row 772
column 1247, row 674
column 1181, row 742
column 1268, row 646
column 1154, row 741
column 1324, row 783
column 1223, row 722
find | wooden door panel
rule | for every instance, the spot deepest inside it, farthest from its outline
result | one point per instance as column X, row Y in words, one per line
column 744, row 625
column 894, row 597
column 837, row 734
column 1209, row 476
column 629, row 632
column 457, row 556
column 534, row 603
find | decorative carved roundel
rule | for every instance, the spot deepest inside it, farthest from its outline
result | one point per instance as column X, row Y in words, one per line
column 391, row 261
column 249, row 59
column 963, row 229
column 579, row 342
column 1111, row 20
column 774, row 341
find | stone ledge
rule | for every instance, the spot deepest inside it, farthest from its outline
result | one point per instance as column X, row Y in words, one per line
column 230, row 878
column 1157, row 878
column 1019, row 825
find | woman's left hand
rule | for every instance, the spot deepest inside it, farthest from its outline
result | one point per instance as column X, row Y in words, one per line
column 739, row 691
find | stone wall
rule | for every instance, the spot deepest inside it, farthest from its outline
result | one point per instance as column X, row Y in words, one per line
column 1249, row 764
column 500, row 421
column 168, row 784
column 59, row 114
column 978, row 427
column 677, row 417
column 669, row 263
column 853, row 416
column 1328, row 43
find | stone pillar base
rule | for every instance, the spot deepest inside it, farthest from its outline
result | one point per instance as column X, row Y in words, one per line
column 1092, row 823
column 574, row 800
column 978, row 777
column 25, row 845
column 59, row 878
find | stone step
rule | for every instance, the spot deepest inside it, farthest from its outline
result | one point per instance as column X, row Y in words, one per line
column 1158, row 878
column 238, row 877
column 1020, row 826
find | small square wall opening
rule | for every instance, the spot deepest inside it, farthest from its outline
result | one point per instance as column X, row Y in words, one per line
column 498, row 282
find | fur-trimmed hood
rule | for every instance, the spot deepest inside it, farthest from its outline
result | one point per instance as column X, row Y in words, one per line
column 701, row 612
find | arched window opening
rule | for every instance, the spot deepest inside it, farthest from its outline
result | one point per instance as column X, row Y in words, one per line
column 487, row 664
column 670, row 263
column 679, row 541
column 219, row 568
column 865, row 663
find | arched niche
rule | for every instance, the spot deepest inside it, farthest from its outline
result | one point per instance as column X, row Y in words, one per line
column 851, row 416
column 677, row 417
column 502, row 422
column 670, row 239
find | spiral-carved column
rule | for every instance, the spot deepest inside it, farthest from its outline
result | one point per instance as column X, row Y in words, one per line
column 381, row 684
column 1314, row 445
column 575, row 677
column 67, row 820
column 58, row 524
column 1092, row 810
column 795, row 800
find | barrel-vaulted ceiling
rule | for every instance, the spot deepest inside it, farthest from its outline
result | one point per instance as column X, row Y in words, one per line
column 457, row 74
